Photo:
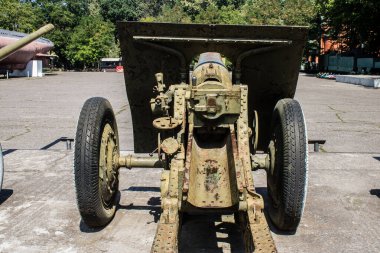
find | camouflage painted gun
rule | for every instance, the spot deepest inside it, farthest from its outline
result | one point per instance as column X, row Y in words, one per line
column 204, row 128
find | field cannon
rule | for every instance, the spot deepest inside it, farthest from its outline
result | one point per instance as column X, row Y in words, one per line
column 208, row 127
column 10, row 49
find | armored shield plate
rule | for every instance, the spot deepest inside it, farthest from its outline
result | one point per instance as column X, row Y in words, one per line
column 266, row 58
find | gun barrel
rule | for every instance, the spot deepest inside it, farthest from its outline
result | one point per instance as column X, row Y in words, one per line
column 10, row 49
column 210, row 57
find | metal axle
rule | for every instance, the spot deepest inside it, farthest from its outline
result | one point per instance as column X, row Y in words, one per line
column 261, row 162
column 132, row 161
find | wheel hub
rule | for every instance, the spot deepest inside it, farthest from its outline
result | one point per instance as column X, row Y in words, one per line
column 273, row 172
column 107, row 168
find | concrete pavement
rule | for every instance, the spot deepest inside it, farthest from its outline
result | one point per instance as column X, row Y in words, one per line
column 38, row 208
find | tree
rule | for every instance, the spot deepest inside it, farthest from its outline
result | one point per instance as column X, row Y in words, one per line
column 263, row 12
column 223, row 15
column 279, row 12
column 200, row 11
column 58, row 13
column 93, row 7
column 298, row 12
column 234, row 3
column 356, row 23
column 151, row 8
column 91, row 40
column 194, row 7
column 116, row 10
column 18, row 16
column 78, row 8
column 174, row 14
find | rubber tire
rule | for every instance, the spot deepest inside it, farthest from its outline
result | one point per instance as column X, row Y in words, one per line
column 288, row 184
column 1, row 168
column 96, row 112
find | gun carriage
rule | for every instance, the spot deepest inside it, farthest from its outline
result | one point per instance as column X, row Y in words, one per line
column 209, row 127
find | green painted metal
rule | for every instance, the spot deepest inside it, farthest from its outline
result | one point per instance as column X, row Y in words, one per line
column 266, row 58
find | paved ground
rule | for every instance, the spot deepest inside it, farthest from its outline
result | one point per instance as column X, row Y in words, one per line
column 38, row 209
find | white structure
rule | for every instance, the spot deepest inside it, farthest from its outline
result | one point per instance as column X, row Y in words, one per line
column 368, row 81
column 33, row 69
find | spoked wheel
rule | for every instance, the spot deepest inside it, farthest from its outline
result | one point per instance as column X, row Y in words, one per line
column 96, row 171
column 287, row 177
column 1, row 168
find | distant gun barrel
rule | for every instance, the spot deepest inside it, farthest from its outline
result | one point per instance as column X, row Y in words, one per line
column 10, row 49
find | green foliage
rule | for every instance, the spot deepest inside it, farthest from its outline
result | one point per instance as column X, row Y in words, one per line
column 232, row 3
column 298, row 12
column 200, row 11
column 81, row 25
column 223, row 15
column 279, row 12
column 260, row 12
column 91, row 40
column 193, row 7
column 94, row 7
column 58, row 13
column 268, row 12
column 18, row 16
column 151, row 8
column 116, row 10
column 356, row 22
column 175, row 14
column 78, row 8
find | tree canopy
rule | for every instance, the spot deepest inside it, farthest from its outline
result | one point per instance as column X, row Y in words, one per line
column 19, row 16
column 115, row 10
column 356, row 22
column 90, row 41
column 78, row 44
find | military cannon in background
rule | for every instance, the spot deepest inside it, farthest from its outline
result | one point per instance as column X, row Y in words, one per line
column 7, row 51
column 12, row 48
column 207, row 131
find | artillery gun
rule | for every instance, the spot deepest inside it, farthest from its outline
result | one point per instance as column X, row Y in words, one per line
column 10, row 49
column 208, row 129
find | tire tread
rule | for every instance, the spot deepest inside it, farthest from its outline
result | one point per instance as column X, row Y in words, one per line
column 86, row 162
column 294, row 164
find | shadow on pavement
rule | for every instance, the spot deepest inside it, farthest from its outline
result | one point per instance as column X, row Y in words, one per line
column 264, row 193
column 5, row 194
column 142, row 189
column 8, row 151
column 153, row 206
column 377, row 158
column 86, row 229
column 68, row 141
column 375, row 192
column 61, row 139
column 205, row 233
